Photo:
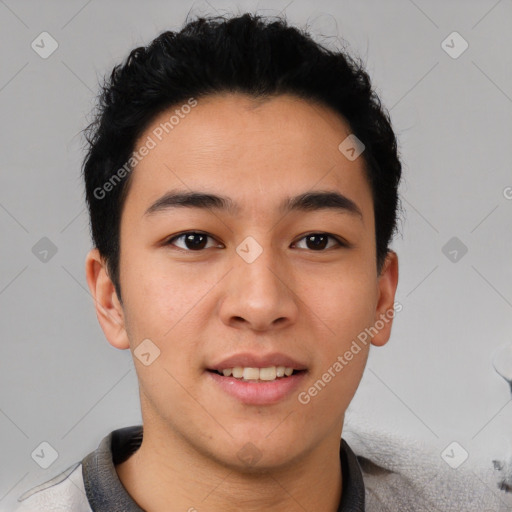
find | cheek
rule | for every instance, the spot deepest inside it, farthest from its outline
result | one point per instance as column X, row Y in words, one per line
column 163, row 305
column 344, row 301
column 155, row 294
column 342, row 348
column 345, row 306
column 352, row 311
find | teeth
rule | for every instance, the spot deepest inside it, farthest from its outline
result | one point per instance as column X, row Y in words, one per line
column 248, row 373
column 268, row 373
column 251, row 374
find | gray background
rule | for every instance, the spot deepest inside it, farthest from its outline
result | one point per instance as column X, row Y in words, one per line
column 60, row 380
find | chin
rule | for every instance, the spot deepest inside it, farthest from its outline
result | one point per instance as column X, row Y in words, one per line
column 255, row 455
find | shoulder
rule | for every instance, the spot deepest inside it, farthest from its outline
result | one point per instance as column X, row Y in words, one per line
column 400, row 473
column 63, row 492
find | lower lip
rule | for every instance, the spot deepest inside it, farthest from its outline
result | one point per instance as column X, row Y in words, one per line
column 258, row 392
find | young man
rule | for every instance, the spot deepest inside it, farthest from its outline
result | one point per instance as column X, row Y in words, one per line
column 242, row 189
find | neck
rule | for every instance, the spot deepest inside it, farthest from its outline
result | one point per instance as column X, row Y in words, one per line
column 167, row 470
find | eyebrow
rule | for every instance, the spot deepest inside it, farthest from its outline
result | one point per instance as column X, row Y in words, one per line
column 306, row 202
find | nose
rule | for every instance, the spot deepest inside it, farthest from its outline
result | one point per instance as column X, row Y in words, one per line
column 259, row 295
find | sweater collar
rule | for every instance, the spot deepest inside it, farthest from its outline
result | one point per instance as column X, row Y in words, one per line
column 106, row 493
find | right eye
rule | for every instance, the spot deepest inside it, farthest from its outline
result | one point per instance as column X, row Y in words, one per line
column 192, row 240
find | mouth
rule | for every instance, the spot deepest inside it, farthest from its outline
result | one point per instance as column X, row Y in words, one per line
column 257, row 386
column 268, row 374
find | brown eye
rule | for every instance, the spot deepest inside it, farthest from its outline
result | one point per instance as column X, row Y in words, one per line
column 319, row 241
column 191, row 240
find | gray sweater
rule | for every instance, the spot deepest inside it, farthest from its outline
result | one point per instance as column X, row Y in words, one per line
column 92, row 485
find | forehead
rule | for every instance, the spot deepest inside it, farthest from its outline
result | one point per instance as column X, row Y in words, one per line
column 256, row 151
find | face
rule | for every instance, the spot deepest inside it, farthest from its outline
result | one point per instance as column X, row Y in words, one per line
column 265, row 277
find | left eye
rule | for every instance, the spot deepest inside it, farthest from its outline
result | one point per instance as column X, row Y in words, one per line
column 196, row 241
column 320, row 240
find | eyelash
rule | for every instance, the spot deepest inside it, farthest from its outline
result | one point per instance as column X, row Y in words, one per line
column 338, row 240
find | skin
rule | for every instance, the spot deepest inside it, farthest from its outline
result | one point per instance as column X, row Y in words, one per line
column 201, row 306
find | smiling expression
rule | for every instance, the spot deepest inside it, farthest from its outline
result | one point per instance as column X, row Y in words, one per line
column 248, row 241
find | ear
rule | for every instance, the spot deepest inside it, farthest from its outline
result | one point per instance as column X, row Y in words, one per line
column 108, row 308
column 384, row 314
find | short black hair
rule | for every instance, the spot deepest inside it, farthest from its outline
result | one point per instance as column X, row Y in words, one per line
column 259, row 56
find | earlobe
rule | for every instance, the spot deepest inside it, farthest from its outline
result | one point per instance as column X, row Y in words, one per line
column 385, row 312
column 108, row 308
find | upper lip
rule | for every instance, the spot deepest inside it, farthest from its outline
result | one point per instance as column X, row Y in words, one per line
column 247, row 360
